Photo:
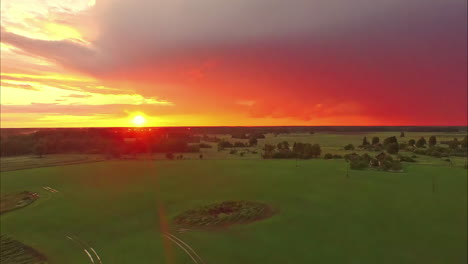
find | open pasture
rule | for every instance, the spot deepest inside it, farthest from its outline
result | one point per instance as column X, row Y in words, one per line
column 124, row 210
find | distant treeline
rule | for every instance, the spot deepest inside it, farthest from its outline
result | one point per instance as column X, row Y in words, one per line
column 113, row 142
column 261, row 130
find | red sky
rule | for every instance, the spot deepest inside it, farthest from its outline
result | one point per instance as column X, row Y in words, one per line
column 245, row 62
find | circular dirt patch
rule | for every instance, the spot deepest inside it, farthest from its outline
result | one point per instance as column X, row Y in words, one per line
column 224, row 214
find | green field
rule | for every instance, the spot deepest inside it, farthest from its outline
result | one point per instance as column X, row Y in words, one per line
column 120, row 208
column 124, row 209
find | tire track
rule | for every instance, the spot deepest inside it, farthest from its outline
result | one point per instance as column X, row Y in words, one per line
column 85, row 246
column 185, row 247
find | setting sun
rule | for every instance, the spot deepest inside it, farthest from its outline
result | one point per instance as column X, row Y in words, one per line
column 139, row 120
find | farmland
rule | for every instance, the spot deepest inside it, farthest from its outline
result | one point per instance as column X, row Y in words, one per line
column 124, row 210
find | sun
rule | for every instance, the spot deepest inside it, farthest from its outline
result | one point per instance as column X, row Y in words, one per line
column 138, row 120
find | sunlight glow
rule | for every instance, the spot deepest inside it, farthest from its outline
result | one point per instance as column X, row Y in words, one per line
column 139, row 120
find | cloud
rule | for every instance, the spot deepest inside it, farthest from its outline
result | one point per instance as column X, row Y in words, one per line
column 367, row 57
column 78, row 95
column 19, row 86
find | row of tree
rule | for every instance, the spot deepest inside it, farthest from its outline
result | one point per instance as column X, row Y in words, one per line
column 298, row 151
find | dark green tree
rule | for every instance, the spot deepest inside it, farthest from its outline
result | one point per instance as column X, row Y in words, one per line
column 40, row 149
column 421, row 143
column 316, row 150
column 402, row 134
column 349, row 147
column 375, row 140
column 390, row 140
column 253, row 141
column 464, row 142
column 432, row 141
column 411, row 142
column 454, row 143
column 365, row 142
column 393, row 148
column 283, row 145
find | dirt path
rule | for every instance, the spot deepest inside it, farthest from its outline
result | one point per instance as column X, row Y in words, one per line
column 185, row 247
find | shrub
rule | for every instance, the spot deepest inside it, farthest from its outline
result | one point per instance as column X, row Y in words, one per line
column 405, row 158
column 239, row 145
column 328, row 156
column 204, row 145
column 349, row 147
column 224, row 144
column 233, row 151
column 421, row 143
column 393, row 148
column 253, row 141
column 336, row 156
column 358, row 164
column 169, row 156
column 375, row 140
column 420, row 151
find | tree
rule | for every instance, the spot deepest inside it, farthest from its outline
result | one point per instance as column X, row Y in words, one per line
column 349, row 147
column 411, row 142
column 402, row 134
column 316, row 150
column 201, row 156
column 169, row 156
column 253, row 141
column 375, row 140
column 283, row 145
column 269, row 148
column 454, row 143
column 432, row 141
column 421, row 143
column 365, row 142
column 239, row 145
column 224, row 144
column 390, row 140
column 464, row 142
column 40, row 149
column 393, row 148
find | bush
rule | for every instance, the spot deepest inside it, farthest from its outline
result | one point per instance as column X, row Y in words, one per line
column 204, row 145
column 405, row 158
column 421, row 143
column 349, row 147
column 393, row 148
column 224, row 144
column 328, row 156
column 420, row 151
column 336, row 156
column 389, row 140
column 169, row 156
column 253, row 141
column 239, row 145
column 359, row 164
column 233, row 151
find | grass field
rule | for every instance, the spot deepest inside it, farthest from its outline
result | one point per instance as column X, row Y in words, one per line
column 120, row 208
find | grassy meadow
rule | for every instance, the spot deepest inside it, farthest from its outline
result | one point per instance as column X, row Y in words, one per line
column 123, row 208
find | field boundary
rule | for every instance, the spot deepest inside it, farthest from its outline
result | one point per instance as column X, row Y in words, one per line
column 57, row 164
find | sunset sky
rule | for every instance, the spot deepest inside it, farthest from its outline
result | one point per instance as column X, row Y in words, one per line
column 67, row 63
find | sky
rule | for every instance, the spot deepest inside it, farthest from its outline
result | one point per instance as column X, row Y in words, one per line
column 100, row 63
